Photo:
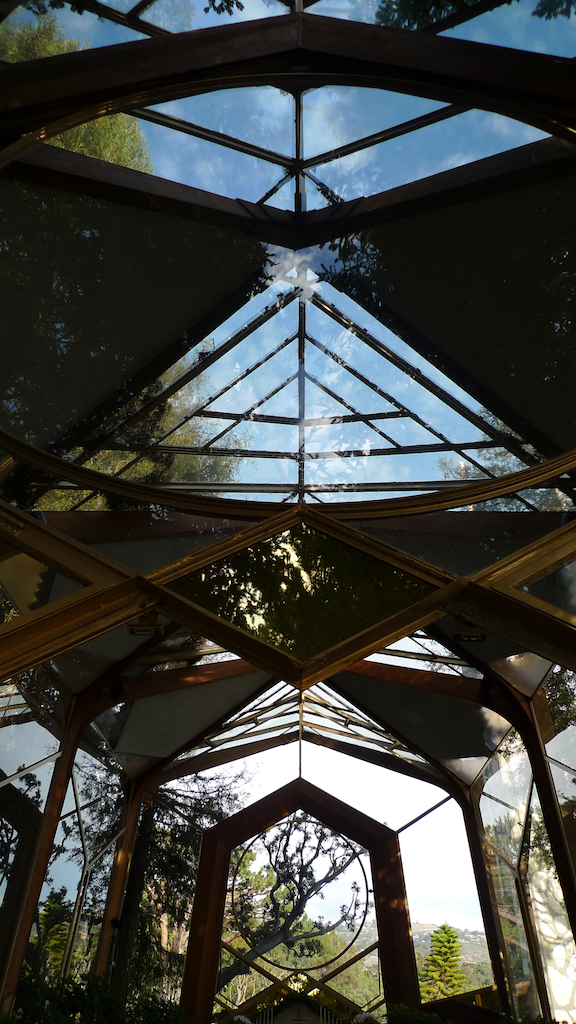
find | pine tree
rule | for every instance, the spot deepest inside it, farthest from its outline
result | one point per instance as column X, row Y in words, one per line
column 442, row 974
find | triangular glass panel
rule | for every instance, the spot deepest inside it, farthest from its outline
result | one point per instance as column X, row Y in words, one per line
column 358, row 396
column 283, row 403
column 295, row 590
column 283, row 198
column 259, row 385
column 319, row 404
column 338, row 115
column 262, row 116
column 504, row 798
column 557, row 587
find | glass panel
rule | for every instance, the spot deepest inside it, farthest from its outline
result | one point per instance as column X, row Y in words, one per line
column 362, row 982
column 458, row 140
column 140, row 536
column 192, row 161
column 565, row 783
column 175, row 16
column 135, row 270
column 263, row 116
column 441, row 887
column 526, row 25
column 557, row 588
column 25, row 36
column 118, row 139
column 337, row 115
column 282, row 198
column 556, row 710
column 503, row 801
column 457, row 542
column 555, row 936
column 524, row 993
column 295, row 590
column 24, row 785
column 386, row 12
column 75, row 887
column 388, row 797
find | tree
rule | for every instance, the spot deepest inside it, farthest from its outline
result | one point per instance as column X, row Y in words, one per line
column 49, row 944
column 118, row 138
column 152, row 935
column 414, row 14
column 442, row 974
column 500, row 462
column 302, row 857
column 41, row 7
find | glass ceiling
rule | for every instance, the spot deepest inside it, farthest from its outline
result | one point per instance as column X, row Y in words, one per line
column 525, row 24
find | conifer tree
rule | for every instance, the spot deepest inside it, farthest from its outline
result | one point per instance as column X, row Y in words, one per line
column 442, row 974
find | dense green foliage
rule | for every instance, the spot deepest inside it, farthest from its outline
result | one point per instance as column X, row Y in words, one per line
column 89, row 1001
column 442, row 974
column 117, row 138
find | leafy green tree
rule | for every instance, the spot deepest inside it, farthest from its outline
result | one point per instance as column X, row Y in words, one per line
column 152, row 936
column 442, row 974
column 302, row 857
column 118, row 138
column 49, row 943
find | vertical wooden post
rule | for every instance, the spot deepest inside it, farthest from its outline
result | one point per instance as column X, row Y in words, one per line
column 203, row 954
column 399, row 973
column 19, row 811
column 31, row 886
column 118, row 878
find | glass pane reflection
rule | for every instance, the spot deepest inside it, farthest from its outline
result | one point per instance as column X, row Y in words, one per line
column 503, row 802
column 550, row 917
column 297, row 590
column 557, row 588
column 557, row 716
column 565, row 784
column 519, row 964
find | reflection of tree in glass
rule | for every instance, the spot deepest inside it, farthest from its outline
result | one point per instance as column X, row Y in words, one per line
column 301, row 858
column 298, row 590
column 417, row 13
column 560, row 690
column 76, row 256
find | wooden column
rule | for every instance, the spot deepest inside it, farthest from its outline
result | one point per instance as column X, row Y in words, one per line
column 24, row 912
column 19, row 811
column 203, row 955
column 118, row 878
column 399, row 973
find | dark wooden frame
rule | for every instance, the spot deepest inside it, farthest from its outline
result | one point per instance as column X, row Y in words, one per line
column 203, row 956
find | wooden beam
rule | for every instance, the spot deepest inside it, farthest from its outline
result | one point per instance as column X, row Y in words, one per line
column 68, row 89
column 73, row 172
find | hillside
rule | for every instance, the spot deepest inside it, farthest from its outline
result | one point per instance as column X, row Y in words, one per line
column 475, row 957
